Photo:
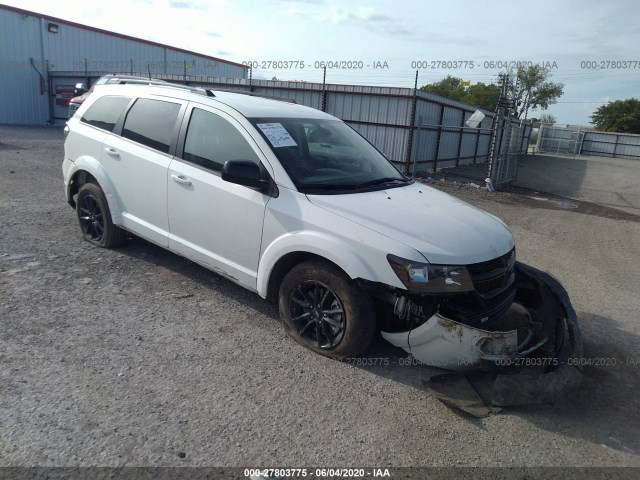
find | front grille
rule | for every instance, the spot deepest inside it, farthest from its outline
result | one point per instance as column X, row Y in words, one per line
column 495, row 290
column 474, row 310
column 493, row 277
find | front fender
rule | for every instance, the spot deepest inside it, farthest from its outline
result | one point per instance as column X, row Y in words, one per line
column 317, row 243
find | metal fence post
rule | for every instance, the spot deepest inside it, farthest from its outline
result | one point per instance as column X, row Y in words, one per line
column 523, row 129
column 412, row 121
column 494, row 151
column 323, row 98
column 461, row 134
column 475, row 149
column 439, row 135
column 581, row 140
column 416, row 146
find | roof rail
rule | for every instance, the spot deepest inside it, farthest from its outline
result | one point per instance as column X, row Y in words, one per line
column 253, row 94
column 156, row 82
column 198, row 90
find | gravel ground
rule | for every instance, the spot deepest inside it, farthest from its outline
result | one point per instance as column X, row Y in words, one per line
column 137, row 357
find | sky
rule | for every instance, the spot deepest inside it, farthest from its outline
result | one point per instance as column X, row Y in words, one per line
column 590, row 46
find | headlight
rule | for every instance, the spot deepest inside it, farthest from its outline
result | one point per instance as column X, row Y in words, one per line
column 427, row 278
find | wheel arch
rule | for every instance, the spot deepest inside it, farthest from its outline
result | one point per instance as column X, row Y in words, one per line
column 284, row 265
column 292, row 249
column 89, row 170
column 77, row 180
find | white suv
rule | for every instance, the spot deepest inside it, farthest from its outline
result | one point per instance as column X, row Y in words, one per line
column 293, row 204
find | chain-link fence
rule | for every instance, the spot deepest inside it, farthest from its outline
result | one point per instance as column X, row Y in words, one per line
column 490, row 151
column 579, row 140
column 559, row 140
column 513, row 140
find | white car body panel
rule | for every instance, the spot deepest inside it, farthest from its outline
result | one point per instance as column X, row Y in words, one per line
column 444, row 343
column 443, row 228
column 255, row 107
column 294, row 224
column 139, row 175
column 216, row 223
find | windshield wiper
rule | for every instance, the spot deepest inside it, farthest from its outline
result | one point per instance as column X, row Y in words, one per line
column 329, row 186
column 349, row 186
column 380, row 181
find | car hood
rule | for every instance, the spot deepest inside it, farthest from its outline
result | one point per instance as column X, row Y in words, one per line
column 444, row 229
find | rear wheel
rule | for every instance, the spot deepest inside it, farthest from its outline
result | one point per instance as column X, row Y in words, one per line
column 94, row 218
column 326, row 311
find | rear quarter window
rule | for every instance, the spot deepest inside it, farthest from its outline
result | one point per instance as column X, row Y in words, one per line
column 105, row 111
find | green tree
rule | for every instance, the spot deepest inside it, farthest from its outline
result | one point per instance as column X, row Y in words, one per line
column 482, row 96
column 531, row 89
column 548, row 119
column 479, row 95
column 449, row 87
column 620, row 116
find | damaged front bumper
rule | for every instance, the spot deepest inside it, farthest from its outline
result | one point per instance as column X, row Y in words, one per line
column 530, row 355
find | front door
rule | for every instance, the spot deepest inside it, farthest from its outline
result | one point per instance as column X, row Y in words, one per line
column 214, row 222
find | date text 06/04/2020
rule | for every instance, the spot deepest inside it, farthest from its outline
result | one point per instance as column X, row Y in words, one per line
column 317, row 472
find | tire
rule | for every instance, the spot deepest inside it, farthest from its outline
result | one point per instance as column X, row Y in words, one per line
column 342, row 326
column 94, row 218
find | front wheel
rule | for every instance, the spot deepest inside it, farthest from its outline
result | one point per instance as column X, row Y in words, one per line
column 324, row 310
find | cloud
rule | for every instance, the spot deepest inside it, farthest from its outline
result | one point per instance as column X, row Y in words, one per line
column 179, row 4
column 307, row 2
column 367, row 18
column 376, row 22
column 182, row 5
column 213, row 34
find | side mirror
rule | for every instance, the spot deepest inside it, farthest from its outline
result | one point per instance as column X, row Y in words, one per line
column 243, row 172
column 80, row 89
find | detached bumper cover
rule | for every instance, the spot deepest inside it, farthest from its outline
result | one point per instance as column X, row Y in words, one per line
column 444, row 343
column 531, row 356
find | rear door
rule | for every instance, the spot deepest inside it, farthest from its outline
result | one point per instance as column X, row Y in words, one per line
column 137, row 162
column 86, row 137
column 214, row 222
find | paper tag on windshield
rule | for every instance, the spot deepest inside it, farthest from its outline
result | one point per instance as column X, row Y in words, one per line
column 277, row 135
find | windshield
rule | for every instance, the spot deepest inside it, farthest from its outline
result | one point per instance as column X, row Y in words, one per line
column 327, row 156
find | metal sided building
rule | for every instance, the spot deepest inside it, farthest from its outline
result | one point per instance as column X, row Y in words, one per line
column 43, row 57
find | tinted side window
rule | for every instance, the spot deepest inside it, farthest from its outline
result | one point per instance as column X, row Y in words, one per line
column 151, row 123
column 104, row 113
column 212, row 140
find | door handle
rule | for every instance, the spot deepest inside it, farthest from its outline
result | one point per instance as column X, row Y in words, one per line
column 181, row 179
column 112, row 152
